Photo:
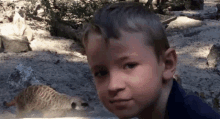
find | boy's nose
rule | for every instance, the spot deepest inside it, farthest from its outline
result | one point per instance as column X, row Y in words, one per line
column 116, row 83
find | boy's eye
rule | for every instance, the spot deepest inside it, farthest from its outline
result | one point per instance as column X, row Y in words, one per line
column 100, row 73
column 130, row 65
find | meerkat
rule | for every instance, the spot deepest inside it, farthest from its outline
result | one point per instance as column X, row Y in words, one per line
column 19, row 21
column 44, row 99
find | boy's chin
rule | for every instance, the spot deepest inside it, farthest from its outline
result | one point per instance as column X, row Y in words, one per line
column 125, row 115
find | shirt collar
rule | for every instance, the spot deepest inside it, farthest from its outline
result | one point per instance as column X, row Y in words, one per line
column 175, row 99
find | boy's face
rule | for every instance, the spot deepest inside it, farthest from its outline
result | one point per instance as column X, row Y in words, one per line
column 127, row 75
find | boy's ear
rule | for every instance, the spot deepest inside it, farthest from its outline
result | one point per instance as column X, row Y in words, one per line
column 170, row 62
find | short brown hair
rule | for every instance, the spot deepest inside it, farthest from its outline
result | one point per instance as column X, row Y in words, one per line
column 130, row 17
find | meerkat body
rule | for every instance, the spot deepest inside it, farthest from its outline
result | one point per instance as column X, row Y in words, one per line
column 46, row 100
column 19, row 21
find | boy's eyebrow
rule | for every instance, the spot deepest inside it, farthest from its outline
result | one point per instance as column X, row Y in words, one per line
column 98, row 67
column 121, row 59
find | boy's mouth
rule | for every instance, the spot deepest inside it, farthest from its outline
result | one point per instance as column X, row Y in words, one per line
column 119, row 100
column 120, row 103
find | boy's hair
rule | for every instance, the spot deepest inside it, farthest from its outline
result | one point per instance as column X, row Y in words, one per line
column 130, row 17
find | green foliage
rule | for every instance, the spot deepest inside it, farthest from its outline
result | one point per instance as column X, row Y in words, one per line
column 70, row 11
column 81, row 11
column 30, row 5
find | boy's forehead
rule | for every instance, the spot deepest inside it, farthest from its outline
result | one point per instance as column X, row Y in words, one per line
column 124, row 38
column 95, row 40
column 96, row 45
column 128, row 45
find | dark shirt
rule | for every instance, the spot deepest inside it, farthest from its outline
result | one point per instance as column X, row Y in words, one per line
column 188, row 106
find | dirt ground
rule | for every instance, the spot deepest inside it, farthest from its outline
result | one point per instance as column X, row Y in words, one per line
column 55, row 62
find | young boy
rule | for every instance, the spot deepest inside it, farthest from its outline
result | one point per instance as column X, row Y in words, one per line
column 133, row 66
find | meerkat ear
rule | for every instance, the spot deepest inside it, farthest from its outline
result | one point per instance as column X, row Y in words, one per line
column 73, row 105
column 5, row 103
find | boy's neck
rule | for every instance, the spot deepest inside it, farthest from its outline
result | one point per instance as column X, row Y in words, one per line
column 158, row 111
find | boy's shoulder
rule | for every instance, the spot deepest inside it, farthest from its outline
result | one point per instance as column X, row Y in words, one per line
column 188, row 106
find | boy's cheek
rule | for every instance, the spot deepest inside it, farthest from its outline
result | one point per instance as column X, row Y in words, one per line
column 101, row 92
column 104, row 99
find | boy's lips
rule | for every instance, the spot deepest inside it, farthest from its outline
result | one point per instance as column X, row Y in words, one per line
column 120, row 103
column 119, row 100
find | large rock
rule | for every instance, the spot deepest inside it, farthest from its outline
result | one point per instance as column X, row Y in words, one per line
column 213, row 57
column 14, row 44
column 183, row 22
column 6, row 29
column 22, row 77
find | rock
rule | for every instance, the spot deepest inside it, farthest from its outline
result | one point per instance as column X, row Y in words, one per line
column 6, row 29
column 14, row 44
column 213, row 57
column 202, row 16
column 167, row 21
column 22, row 77
column 183, row 22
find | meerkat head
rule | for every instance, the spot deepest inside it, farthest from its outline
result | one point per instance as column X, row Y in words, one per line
column 78, row 104
column 20, row 7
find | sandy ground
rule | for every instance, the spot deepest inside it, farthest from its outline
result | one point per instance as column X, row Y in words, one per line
column 72, row 75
